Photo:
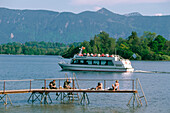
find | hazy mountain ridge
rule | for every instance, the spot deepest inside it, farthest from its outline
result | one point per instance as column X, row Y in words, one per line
column 66, row 27
column 134, row 14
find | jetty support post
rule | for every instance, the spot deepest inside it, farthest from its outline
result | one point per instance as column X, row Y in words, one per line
column 84, row 99
column 40, row 96
column 35, row 96
column 45, row 98
column 104, row 84
column 6, row 96
column 45, row 84
column 4, row 86
column 142, row 92
column 30, row 85
column 134, row 96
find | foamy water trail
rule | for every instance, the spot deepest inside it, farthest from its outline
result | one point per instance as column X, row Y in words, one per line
column 142, row 71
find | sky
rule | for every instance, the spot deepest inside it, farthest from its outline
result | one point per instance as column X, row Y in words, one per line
column 145, row 7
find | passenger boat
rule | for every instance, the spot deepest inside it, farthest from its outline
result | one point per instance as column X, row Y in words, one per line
column 97, row 62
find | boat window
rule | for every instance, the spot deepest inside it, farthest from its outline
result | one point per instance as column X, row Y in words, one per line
column 81, row 62
column 85, row 62
column 74, row 61
column 96, row 62
column 89, row 62
column 92, row 62
column 103, row 62
column 110, row 62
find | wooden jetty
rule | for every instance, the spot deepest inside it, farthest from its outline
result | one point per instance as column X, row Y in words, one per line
column 43, row 95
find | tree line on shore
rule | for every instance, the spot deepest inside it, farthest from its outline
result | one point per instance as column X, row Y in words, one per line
column 33, row 48
column 149, row 46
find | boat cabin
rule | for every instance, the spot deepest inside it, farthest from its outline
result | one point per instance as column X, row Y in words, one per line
column 92, row 62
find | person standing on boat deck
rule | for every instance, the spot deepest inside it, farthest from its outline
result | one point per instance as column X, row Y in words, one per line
column 67, row 84
column 116, row 86
column 52, row 85
column 99, row 86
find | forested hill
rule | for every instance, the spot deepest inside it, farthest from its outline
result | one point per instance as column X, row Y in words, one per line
column 66, row 27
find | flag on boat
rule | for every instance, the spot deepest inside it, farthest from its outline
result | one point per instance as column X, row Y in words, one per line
column 134, row 56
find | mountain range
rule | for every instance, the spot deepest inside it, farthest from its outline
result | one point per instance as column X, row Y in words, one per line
column 66, row 27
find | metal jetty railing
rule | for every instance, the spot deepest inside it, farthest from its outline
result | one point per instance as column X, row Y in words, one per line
column 39, row 89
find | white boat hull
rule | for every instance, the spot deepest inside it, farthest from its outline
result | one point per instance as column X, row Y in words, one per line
column 75, row 67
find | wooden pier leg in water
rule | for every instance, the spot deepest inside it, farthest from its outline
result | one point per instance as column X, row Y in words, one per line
column 58, row 96
column 88, row 99
column 35, row 97
column 142, row 92
column 133, row 99
column 45, row 98
column 9, row 99
column 6, row 96
column 29, row 97
column 42, row 99
column 1, row 98
column 130, row 100
column 84, row 98
column 81, row 99
column 5, row 100
column 61, row 95
column 137, row 100
column 134, row 96
column 49, row 98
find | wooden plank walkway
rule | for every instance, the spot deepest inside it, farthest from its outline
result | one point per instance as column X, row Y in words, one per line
column 65, row 90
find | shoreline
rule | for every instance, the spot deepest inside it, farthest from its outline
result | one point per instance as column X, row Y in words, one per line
column 65, row 58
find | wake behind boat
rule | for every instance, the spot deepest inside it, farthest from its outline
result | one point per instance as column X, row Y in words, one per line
column 97, row 62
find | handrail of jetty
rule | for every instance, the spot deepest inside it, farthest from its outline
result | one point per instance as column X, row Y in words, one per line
column 4, row 90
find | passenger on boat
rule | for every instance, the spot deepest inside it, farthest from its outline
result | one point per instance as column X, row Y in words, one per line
column 103, row 55
column 52, row 85
column 67, row 84
column 99, row 86
column 116, row 86
column 95, row 55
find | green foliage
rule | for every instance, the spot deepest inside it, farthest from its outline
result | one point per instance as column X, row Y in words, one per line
column 147, row 47
column 33, row 48
column 102, row 43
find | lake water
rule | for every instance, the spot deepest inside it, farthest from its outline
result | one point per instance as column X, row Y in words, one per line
column 156, row 86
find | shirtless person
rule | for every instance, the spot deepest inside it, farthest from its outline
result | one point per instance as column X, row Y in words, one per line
column 99, row 86
column 116, row 86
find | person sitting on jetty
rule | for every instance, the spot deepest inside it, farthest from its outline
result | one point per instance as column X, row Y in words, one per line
column 116, row 86
column 67, row 84
column 52, row 85
column 99, row 86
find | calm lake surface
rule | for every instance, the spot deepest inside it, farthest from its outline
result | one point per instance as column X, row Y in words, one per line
column 156, row 86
